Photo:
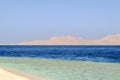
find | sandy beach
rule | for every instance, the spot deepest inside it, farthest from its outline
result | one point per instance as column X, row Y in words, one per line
column 9, row 74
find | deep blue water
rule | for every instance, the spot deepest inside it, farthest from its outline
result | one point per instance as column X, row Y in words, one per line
column 87, row 53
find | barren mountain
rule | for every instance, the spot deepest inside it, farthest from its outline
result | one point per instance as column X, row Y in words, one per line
column 113, row 39
column 71, row 40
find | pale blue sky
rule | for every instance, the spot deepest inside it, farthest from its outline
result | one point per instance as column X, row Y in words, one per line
column 26, row 20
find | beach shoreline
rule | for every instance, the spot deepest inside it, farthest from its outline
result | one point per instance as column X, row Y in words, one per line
column 10, row 74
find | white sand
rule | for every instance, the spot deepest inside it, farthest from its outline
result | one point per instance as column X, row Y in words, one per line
column 8, row 74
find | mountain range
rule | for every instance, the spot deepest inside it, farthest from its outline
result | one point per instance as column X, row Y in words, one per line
column 113, row 39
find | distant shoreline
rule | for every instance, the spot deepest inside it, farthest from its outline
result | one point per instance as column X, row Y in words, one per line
column 62, row 45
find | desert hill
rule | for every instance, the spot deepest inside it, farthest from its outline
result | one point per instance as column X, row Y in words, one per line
column 113, row 39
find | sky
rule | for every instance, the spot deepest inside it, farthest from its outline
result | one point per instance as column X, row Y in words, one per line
column 26, row 20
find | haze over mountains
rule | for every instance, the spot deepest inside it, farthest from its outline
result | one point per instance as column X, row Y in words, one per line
column 113, row 39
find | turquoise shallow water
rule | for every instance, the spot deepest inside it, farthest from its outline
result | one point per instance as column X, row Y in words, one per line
column 55, row 69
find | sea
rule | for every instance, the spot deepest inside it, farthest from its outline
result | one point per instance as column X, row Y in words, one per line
column 94, row 53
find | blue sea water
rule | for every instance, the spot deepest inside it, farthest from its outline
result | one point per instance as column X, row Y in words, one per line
column 86, row 53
